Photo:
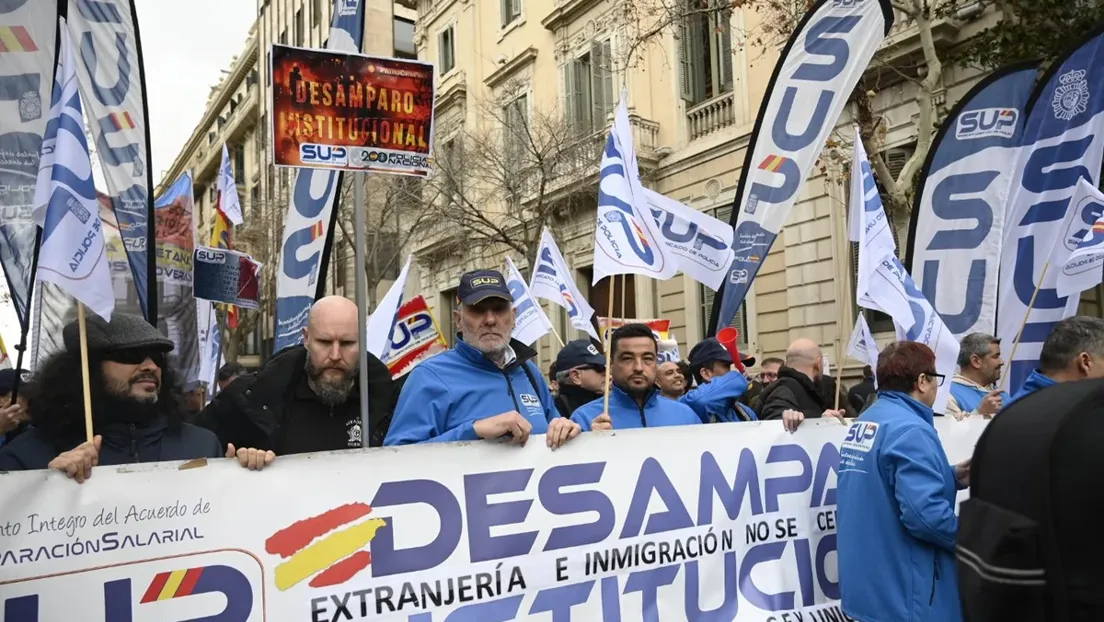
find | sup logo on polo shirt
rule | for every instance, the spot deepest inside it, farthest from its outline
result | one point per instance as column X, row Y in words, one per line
column 531, row 403
column 861, row 437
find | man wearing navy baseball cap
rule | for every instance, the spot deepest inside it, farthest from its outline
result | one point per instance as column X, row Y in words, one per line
column 720, row 387
column 487, row 387
column 581, row 374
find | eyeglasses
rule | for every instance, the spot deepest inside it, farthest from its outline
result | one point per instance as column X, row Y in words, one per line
column 136, row 357
column 936, row 378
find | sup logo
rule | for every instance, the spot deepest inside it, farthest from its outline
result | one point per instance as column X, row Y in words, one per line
column 311, row 153
column 987, row 123
column 315, row 549
column 861, row 437
column 155, row 590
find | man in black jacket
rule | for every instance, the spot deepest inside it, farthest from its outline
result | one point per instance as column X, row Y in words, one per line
column 137, row 411
column 306, row 398
column 796, row 396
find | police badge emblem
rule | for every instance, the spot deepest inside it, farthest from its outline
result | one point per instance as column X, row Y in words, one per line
column 1071, row 97
column 30, row 106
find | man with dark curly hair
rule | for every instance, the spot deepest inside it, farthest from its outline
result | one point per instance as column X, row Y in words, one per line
column 137, row 411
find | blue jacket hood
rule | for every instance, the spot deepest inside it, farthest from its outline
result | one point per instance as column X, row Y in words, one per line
column 897, row 489
column 625, row 413
column 1037, row 380
column 444, row 396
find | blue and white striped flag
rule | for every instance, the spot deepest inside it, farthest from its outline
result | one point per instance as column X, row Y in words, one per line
column 73, row 255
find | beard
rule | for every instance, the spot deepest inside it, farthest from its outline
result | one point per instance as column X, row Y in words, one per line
column 330, row 392
column 114, row 401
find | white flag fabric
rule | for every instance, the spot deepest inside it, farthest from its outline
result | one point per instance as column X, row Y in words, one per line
column 73, row 255
column 229, row 202
column 1084, row 269
column 552, row 281
column 532, row 323
column 209, row 344
column 382, row 321
column 700, row 244
column 626, row 239
column 886, row 286
column 869, row 224
column 862, row 346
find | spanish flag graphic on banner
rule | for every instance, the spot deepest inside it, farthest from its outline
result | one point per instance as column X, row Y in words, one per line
column 220, row 238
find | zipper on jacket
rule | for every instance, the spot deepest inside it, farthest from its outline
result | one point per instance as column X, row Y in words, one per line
column 134, row 445
column 510, row 388
column 643, row 419
column 935, row 579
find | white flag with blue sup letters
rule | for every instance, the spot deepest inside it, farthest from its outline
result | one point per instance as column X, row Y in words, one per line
column 73, row 255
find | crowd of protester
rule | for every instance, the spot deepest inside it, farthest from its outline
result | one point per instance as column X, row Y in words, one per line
column 898, row 491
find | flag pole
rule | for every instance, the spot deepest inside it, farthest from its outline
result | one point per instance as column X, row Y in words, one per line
column 25, row 325
column 623, row 290
column 83, row 329
column 839, row 373
column 361, row 302
column 607, row 338
column 1023, row 324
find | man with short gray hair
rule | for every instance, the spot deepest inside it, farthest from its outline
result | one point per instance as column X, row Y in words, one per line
column 1073, row 351
column 973, row 389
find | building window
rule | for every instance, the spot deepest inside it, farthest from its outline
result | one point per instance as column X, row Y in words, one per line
column 283, row 37
column 707, row 295
column 448, row 306
column 403, row 30
column 268, row 69
column 341, row 249
column 316, row 12
column 515, row 118
column 511, row 10
column 300, row 27
column 588, row 88
column 446, row 50
column 705, row 55
column 213, row 194
column 624, row 294
column 238, row 158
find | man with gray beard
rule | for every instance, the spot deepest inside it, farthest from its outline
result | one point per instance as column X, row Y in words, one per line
column 306, row 398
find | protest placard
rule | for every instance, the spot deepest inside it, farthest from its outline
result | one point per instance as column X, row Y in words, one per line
column 227, row 276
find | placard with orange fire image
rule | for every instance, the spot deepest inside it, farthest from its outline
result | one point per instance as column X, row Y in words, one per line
column 346, row 111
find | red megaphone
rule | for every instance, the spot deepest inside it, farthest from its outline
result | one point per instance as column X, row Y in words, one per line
column 728, row 338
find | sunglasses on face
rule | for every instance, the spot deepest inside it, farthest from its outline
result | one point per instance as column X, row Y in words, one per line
column 136, row 357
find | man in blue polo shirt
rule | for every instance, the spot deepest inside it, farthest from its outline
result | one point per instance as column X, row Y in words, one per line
column 1073, row 351
column 716, row 398
column 486, row 387
column 634, row 399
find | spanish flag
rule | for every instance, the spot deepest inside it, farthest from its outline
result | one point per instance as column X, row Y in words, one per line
column 220, row 238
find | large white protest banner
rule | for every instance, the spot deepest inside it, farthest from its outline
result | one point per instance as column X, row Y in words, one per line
column 736, row 519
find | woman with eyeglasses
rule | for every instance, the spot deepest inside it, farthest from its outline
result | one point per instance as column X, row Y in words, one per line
column 896, row 522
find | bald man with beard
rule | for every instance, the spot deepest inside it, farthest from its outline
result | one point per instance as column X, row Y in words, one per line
column 306, row 398
column 796, row 396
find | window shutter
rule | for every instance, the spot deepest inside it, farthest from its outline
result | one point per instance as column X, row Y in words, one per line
column 515, row 9
column 724, row 49
column 571, row 94
column 601, row 88
column 451, row 47
column 504, row 10
column 686, row 65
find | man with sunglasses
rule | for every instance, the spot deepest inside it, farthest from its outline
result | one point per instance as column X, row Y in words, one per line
column 581, row 375
column 137, row 409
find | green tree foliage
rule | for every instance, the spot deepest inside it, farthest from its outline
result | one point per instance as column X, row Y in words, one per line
column 1031, row 29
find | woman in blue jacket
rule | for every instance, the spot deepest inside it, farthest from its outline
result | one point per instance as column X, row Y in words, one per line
column 896, row 518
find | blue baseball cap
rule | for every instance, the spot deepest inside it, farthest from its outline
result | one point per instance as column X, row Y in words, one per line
column 710, row 350
column 479, row 285
column 579, row 353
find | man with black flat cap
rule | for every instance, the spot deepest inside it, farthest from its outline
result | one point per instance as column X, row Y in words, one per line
column 486, row 387
column 136, row 408
column 581, row 375
column 716, row 398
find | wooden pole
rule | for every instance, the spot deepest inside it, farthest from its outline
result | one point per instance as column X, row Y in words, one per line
column 83, row 329
column 609, row 349
column 1023, row 324
column 623, row 297
column 839, row 374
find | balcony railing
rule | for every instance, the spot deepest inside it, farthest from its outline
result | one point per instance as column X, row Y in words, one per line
column 711, row 115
